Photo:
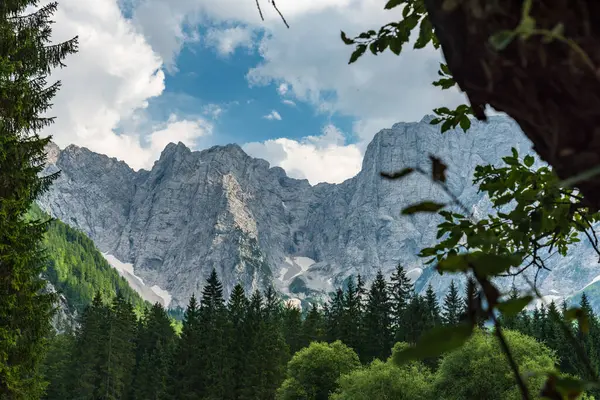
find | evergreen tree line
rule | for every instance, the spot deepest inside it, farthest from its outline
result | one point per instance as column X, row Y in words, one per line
column 546, row 324
column 230, row 350
column 239, row 349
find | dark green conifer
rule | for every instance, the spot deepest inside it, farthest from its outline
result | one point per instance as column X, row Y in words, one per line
column 453, row 306
column 352, row 318
column 292, row 327
column 378, row 328
column 334, row 317
column 27, row 57
column 154, row 348
column 213, row 343
column 185, row 372
column 401, row 291
column 313, row 326
column 433, row 309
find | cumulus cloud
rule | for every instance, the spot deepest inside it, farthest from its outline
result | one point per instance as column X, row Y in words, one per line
column 378, row 91
column 288, row 102
column 309, row 62
column 226, row 41
column 323, row 158
column 107, row 84
column 282, row 89
column 273, row 115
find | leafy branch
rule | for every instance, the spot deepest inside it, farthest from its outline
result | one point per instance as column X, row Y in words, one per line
column 544, row 215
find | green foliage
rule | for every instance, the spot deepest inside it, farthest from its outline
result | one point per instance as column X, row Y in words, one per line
column 533, row 214
column 27, row 57
column 478, row 370
column 452, row 307
column 77, row 269
column 386, row 381
column 395, row 34
column 313, row 372
column 377, row 321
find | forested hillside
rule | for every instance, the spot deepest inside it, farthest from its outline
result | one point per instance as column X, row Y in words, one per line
column 77, row 269
column 255, row 347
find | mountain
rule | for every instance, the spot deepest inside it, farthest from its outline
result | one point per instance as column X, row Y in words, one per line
column 220, row 208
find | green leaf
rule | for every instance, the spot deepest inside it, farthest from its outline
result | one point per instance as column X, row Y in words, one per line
column 398, row 174
column 345, row 38
column 373, row 47
column 393, row 3
column 445, row 69
column 360, row 50
column 426, row 206
column 512, row 307
column 529, row 160
column 465, row 123
column 396, row 45
column 487, row 264
column 453, row 263
column 435, row 342
column 502, row 39
column 425, row 33
column 447, row 125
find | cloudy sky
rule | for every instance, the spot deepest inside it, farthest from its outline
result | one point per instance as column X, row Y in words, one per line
column 210, row 72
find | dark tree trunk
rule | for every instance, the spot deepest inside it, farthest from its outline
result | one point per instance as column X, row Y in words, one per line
column 547, row 88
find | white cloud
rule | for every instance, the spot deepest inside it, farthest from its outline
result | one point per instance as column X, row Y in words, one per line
column 226, row 41
column 273, row 115
column 213, row 110
column 282, row 89
column 377, row 90
column 128, row 148
column 323, row 158
column 288, row 102
column 107, row 85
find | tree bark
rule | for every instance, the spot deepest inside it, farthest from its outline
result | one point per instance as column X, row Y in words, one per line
column 549, row 89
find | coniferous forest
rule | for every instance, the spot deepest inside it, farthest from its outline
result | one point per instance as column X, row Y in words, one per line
column 256, row 346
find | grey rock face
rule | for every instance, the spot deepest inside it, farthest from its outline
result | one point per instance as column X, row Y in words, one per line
column 220, row 208
column 65, row 318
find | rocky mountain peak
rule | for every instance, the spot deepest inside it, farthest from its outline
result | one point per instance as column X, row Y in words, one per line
column 220, row 208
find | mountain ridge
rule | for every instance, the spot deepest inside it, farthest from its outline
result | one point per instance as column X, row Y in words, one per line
column 221, row 208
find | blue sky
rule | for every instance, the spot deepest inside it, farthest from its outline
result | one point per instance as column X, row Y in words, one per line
column 207, row 72
column 207, row 79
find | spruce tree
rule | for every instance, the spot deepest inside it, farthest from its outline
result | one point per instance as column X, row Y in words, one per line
column 251, row 387
column 185, row 379
column 401, row 291
column 313, row 327
column 334, row 316
column 272, row 348
column 154, row 347
column 216, row 364
column 453, row 306
column 237, row 308
column 89, row 353
column 292, row 327
column 433, row 309
column 352, row 318
column 378, row 327
column 471, row 298
column 415, row 320
column 119, row 354
column 26, row 59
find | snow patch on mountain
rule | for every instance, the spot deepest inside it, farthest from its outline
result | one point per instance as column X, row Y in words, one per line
column 152, row 294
